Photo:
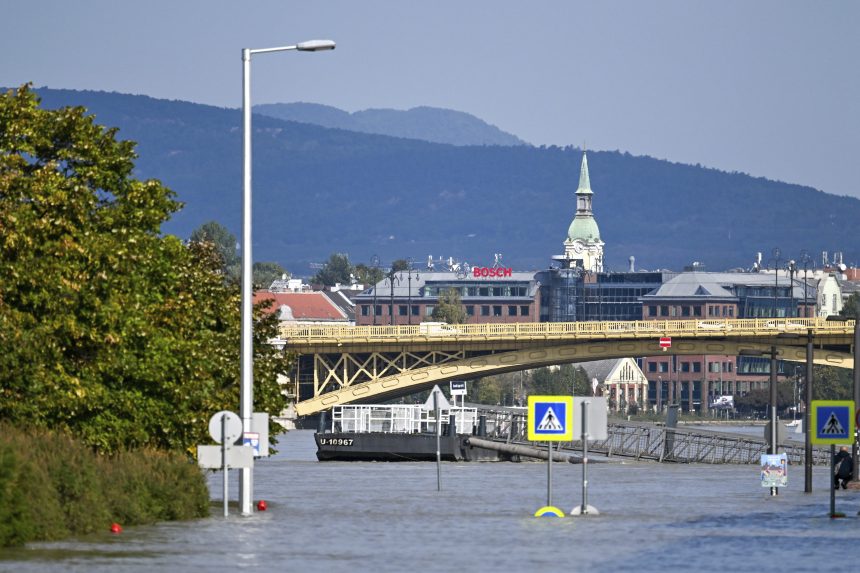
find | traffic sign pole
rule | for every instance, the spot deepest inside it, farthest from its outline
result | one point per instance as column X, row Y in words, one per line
column 550, row 419
column 549, row 474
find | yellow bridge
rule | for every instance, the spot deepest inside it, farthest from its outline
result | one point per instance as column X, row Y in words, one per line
column 345, row 364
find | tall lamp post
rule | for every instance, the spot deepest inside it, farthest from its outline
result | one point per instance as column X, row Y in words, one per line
column 775, row 260
column 409, row 270
column 374, row 265
column 805, row 260
column 246, row 405
column 792, row 268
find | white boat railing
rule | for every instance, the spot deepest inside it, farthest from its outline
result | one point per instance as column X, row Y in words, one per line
column 399, row 418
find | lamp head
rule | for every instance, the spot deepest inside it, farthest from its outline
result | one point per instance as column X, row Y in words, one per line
column 315, row 45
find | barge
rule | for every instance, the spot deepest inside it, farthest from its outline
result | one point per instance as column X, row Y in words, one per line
column 403, row 432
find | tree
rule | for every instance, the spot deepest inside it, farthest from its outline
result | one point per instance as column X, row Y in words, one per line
column 263, row 274
column 337, row 270
column 368, row 275
column 110, row 330
column 851, row 308
column 225, row 245
column 449, row 308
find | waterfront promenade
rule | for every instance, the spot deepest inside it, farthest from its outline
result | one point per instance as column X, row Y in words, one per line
column 347, row 517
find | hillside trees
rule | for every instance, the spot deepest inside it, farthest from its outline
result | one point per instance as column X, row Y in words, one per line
column 110, row 331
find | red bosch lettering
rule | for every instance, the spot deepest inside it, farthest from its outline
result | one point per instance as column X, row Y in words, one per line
column 481, row 272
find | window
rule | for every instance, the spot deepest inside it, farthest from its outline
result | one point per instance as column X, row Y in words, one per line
column 485, row 310
column 470, row 310
column 484, row 291
column 524, row 310
column 365, row 310
column 497, row 310
column 378, row 310
column 472, row 291
column 731, row 311
column 697, row 366
column 497, row 291
column 652, row 310
column 402, row 310
column 685, row 366
column 685, row 311
column 663, row 367
column 512, row 310
column 697, row 311
column 416, row 310
column 664, row 310
column 428, row 310
column 652, row 367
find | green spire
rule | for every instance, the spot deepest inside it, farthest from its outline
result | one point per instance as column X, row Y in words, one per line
column 584, row 181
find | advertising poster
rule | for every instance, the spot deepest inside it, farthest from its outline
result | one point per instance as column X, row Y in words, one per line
column 774, row 470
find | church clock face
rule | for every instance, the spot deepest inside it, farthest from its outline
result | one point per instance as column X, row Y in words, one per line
column 577, row 246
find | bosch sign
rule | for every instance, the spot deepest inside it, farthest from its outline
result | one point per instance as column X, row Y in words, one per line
column 482, row 272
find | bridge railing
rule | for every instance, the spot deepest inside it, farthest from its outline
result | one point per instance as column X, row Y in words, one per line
column 297, row 333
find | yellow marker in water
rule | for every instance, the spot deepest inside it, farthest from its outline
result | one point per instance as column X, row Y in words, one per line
column 549, row 511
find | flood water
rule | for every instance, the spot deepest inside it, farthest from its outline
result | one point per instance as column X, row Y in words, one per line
column 351, row 517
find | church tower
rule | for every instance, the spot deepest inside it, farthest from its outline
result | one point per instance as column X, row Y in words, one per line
column 583, row 248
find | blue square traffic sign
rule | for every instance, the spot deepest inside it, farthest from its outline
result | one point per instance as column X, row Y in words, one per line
column 832, row 421
column 550, row 418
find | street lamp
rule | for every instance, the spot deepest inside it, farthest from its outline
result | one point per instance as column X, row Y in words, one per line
column 805, row 260
column 775, row 260
column 374, row 265
column 409, row 270
column 246, row 405
column 792, row 268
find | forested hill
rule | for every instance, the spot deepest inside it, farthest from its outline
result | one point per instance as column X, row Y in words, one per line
column 319, row 190
column 424, row 123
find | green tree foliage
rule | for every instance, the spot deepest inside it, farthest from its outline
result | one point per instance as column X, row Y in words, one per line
column 110, row 331
column 399, row 265
column 450, row 308
column 851, row 308
column 225, row 244
column 264, row 273
column 336, row 270
column 513, row 388
column 366, row 275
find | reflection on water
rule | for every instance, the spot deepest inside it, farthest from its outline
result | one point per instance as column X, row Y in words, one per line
column 340, row 516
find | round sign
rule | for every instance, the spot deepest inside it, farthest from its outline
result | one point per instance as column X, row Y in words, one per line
column 232, row 426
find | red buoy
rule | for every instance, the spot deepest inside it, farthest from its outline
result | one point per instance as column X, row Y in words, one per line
column 261, row 505
column 115, row 528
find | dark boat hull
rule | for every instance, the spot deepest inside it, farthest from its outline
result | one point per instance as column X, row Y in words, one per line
column 391, row 447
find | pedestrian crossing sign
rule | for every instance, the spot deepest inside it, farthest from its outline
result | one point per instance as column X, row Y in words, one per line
column 550, row 418
column 832, row 421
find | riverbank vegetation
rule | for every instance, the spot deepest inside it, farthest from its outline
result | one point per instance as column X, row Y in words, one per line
column 117, row 339
column 52, row 486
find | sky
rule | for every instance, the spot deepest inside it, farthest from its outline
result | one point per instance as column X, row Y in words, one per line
column 770, row 88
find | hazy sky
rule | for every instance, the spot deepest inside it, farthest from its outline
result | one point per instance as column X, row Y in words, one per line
column 770, row 88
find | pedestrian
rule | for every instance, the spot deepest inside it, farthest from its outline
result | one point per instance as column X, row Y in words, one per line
column 843, row 468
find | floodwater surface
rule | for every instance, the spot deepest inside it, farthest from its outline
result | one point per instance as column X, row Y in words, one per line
column 351, row 517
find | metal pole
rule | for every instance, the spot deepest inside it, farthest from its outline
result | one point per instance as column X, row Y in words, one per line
column 224, row 460
column 832, row 480
column 773, row 417
column 854, row 450
column 549, row 474
column 438, row 439
column 584, row 508
column 246, row 484
column 807, row 416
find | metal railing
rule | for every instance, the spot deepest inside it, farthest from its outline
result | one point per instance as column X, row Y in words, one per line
column 297, row 334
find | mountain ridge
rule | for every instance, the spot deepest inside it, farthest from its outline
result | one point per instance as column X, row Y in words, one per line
column 320, row 190
column 436, row 125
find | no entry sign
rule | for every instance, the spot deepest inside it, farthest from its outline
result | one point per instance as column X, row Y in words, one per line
column 665, row 342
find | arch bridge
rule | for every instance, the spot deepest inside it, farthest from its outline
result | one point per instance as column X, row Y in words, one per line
column 352, row 364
